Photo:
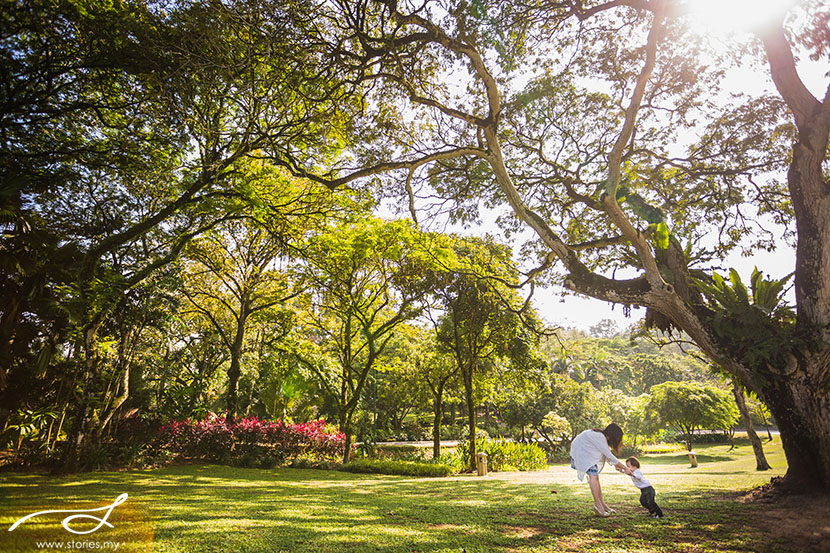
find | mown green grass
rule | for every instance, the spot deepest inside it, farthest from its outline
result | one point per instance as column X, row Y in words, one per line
column 203, row 508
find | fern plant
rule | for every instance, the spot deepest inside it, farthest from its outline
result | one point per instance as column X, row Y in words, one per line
column 755, row 321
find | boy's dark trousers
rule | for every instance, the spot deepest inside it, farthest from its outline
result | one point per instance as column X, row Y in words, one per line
column 647, row 501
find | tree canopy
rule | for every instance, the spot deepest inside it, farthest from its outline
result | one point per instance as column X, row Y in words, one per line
column 691, row 406
column 133, row 133
column 603, row 127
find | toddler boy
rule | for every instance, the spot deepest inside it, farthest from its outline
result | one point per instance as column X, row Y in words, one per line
column 647, row 493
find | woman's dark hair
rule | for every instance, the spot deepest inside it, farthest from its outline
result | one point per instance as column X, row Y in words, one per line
column 613, row 435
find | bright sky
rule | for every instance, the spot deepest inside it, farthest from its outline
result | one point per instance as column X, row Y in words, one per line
column 718, row 19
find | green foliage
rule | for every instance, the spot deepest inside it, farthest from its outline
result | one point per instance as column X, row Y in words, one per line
column 24, row 424
column 577, row 403
column 502, row 454
column 557, row 426
column 653, row 216
column 133, row 128
column 639, row 427
column 630, row 364
column 403, row 468
column 399, row 385
column 362, row 280
column 690, row 406
column 756, row 325
column 766, row 294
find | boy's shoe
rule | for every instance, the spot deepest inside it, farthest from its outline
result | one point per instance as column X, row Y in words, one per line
column 655, row 515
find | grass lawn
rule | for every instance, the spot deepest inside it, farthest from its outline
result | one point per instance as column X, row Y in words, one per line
column 205, row 508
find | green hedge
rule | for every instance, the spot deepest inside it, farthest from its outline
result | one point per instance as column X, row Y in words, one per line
column 502, row 455
column 405, row 468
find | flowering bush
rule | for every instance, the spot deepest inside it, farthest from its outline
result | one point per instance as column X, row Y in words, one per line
column 251, row 441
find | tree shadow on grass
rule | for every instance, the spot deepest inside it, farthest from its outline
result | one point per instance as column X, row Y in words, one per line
column 202, row 508
column 681, row 459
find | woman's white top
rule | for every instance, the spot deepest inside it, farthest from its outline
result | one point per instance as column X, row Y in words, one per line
column 639, row 480
column 590, row 448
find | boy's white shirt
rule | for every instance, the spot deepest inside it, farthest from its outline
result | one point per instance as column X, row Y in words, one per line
column 639, row 480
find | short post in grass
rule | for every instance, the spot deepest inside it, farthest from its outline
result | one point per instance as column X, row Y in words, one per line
column 481, row 463
column 693, row 458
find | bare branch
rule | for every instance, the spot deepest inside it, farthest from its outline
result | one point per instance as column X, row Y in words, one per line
column 335, row 183
column 613, row 208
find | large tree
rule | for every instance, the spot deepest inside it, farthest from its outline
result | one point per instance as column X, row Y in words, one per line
column 124, row 126
column 603, row 126
column 231, row 277
column 363, row 281
column 690, row 407
column 483, row 322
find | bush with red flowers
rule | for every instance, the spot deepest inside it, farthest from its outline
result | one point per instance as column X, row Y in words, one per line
column 251, row 441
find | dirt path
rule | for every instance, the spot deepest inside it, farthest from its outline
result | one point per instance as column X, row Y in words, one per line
column 802, row 522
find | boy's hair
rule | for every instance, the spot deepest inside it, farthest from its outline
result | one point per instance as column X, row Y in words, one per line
column 634, row 462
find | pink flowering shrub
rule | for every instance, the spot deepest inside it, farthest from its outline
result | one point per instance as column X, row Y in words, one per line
column 251, row 441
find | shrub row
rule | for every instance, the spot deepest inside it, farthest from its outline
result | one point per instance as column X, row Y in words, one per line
column 404, row 468
column 250, row 441
column 506, row 456
column 502, row 455
column 651, row 449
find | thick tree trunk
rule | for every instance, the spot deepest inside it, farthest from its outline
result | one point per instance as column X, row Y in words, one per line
column 760, row 459
column 347, row 447
column 233, row 382
column 798, row 399
column 803, row 416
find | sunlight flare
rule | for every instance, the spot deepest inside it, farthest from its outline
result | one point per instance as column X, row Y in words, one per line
column 724, row 16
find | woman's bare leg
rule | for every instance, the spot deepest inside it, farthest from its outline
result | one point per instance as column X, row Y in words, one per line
column 596, row 492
